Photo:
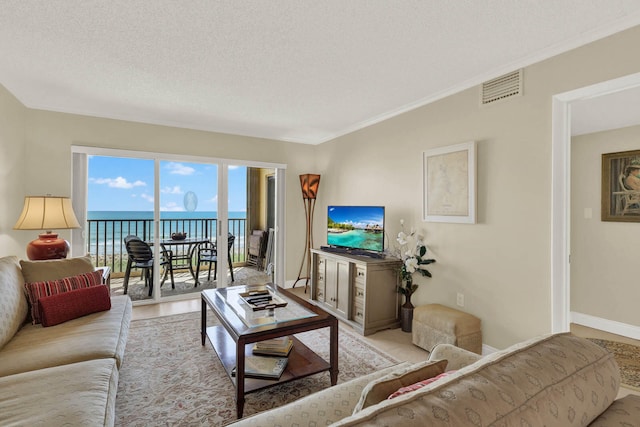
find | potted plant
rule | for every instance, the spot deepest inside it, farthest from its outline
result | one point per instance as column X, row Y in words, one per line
column 413, row 253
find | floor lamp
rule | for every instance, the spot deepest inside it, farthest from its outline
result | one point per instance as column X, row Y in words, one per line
column 309, row 184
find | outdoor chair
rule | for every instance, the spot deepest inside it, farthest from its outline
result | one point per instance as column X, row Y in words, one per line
column 208, row 252
column 140, row 256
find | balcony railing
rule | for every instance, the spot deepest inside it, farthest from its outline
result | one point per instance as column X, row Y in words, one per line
column 105, row 242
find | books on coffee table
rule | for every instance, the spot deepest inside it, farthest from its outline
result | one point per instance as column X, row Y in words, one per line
column 263, row 367
column 274, row 347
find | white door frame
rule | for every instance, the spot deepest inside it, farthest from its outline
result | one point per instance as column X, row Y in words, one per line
column 561, row 191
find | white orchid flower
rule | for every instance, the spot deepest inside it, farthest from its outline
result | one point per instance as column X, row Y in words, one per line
column 403, row 238
column 411, row 265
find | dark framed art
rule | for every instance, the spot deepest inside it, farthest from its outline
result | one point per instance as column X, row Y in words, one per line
column 621, row 186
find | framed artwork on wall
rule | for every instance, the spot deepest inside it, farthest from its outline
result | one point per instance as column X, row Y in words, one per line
column 621, row 186
column 449, row 184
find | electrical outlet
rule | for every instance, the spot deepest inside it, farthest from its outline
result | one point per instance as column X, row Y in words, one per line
column 460, row 300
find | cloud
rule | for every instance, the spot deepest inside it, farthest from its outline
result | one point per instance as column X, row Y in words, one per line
column 147, row 197
column 172, row 190
column 179, row 169
column 118, row 182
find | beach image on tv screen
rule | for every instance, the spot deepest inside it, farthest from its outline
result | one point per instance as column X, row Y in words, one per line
column 360, row 227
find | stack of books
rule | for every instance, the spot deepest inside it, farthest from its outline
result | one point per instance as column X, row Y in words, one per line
column 274, row 347
column 263, row 367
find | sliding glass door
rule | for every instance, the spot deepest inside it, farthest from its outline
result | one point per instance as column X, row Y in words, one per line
column 188, row 210
column 198, row 217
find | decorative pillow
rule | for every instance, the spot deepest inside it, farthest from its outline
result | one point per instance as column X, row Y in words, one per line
column 380, row 389
column 37, row 290
column 42, row 271
column 70, row 305
column 13, row 303
column 418, row 385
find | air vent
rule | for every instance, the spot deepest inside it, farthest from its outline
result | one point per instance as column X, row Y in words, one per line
column 502, row 87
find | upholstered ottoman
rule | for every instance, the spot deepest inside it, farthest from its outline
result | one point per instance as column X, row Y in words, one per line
column 436, row 324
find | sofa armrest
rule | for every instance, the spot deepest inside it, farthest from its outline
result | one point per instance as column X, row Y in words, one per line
column 456, row 356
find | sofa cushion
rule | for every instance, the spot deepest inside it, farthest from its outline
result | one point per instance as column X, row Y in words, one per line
column 42, row 271
column 79, row 394
column 553, row 380
column 13, row 302
column 56, row 309
column 37, row 290
column 94, row 336
column 378, row 390
column 623, row 412
column 317, row 409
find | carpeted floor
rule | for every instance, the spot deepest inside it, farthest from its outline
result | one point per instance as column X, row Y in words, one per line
column 168, row 378
column 628, row 358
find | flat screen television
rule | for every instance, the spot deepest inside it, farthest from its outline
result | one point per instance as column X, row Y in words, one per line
column 356, row 227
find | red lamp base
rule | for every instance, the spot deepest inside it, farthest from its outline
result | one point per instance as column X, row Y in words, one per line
column 47, row 246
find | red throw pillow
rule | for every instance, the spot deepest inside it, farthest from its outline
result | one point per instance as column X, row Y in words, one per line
column 418, row 385
column 37, row 290
column 70, row 305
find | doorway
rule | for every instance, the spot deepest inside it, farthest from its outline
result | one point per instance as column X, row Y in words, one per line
column 561, row 198
column 187, row 201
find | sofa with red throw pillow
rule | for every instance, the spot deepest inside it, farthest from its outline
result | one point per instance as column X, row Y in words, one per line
column 62, row 341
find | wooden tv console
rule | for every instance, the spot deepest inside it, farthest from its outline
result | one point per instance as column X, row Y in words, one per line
column 358, row 290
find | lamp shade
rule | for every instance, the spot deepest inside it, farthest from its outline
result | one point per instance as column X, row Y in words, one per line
column 47, row 213
column 309, row 183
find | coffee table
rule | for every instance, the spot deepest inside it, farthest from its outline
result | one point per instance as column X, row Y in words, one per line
column 241, row 327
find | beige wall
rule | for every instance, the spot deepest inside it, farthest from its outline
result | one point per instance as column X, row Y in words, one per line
column 604, row 282
column 502, row 263
column 12, row 172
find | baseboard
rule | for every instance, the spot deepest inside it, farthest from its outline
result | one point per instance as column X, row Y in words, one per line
column 606, row 325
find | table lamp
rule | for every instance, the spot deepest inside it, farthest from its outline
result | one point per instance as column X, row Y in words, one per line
column 47, row 213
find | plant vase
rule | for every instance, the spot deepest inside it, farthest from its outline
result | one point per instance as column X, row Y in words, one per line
column 406, row 314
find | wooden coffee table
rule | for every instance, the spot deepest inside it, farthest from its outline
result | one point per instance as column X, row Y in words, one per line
column 241, row 327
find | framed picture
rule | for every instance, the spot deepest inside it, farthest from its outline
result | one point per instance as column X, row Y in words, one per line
column 449, row 192
column 621, row 186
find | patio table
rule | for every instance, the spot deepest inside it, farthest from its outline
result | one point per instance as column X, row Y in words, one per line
column 182, row 259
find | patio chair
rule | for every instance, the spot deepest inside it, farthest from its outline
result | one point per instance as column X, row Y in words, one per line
column 140, row 256
column 208, row 252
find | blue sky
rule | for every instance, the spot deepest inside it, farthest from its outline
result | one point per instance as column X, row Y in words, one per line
column 358, row 216
column 125, row 184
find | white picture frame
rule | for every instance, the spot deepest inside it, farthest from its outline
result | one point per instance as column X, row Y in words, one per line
column 449, row 184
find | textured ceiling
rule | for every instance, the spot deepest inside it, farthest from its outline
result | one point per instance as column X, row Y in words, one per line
column 293, row 70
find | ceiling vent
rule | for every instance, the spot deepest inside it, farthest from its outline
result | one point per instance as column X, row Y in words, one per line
column 501, row 88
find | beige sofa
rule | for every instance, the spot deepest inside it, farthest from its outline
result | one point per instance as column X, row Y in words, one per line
column 59, row 375
column 555, row 380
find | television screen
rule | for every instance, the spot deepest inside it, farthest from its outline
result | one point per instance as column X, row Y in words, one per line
column 357, row 227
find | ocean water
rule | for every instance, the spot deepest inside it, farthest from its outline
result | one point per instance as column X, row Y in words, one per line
column 106, row 229
column 357, row 239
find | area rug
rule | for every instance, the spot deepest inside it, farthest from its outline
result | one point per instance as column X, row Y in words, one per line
column 628, row 358
column 168, row 378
